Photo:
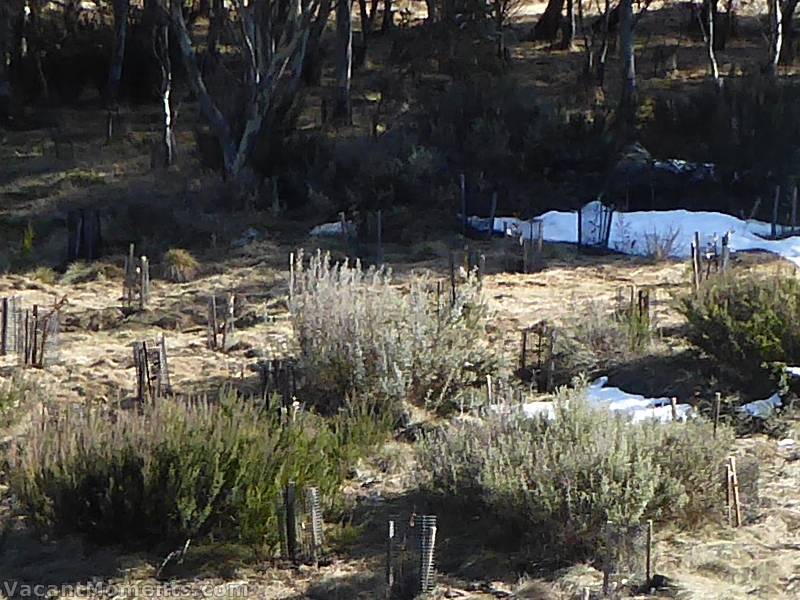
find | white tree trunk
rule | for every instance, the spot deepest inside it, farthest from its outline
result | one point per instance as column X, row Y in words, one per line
column 344, row 60
column 776, row 36
column 121, row 10
column 712, row 57
column 628, row 102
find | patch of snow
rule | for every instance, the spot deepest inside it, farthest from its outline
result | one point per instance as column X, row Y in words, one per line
column 762, row 409
column 638, row 408
column 327, row 229
column 786, row 443
column 793, row 371
column 630, row 231
column 248, row 237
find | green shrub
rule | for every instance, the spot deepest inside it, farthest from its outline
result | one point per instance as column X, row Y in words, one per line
column 558, row 482
column 749, row 323
column 180, row 469
column 598, row 338
column 360, row 335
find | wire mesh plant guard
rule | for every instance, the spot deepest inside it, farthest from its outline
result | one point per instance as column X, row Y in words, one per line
column 152, row 369
column 31, row 334
column 221, row 323
column 594, row 225
column 627, row 556
column 136, row 290
column 709, row 256
column 278, row 378
column 538, row 354
column 410, row 568
column 300, row 523
column 9, row 314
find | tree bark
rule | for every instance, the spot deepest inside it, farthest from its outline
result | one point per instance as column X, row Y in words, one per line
column 344, row 62
column 568, row 33
column 549, row 23
column 312, row 66
column 283, row 70
column 712, row 57
column 161, row 48
column 215, row 27
column 121, row 10
column 388, row 16
column 6, row 44
column 628, row 101
column 431, row 14
column 603, row 55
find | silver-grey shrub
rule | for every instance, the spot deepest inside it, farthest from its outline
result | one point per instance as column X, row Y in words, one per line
column 558, row 482
column 361, row 334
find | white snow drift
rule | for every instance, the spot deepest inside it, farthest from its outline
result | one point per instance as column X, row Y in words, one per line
column 635, row 232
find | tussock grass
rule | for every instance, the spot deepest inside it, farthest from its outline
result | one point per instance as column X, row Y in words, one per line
column 179, row 266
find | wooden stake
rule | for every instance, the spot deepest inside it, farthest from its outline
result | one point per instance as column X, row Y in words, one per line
column 4, row 328
column 380, row 237
column 726, row 252
column 794, row 208
column 144, row 283
column 291, row 275
column 523, row 351
column 717, row 402
column 463, row 189
column 492, row 215
column 452, row 280
column 728, row 493
column 390, row 560
column 735, row 486
column 775, row 201
column 649, row 564
column 489, row 390
column 696, row 264
column 674, row 404
column 212, row 323
column 35, row 336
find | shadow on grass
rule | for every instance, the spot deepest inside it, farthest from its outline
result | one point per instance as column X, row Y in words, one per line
column 27, row 562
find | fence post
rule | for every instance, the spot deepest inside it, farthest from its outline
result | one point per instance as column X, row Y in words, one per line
column 463, row 188
column 696, row 266
column 794, row 209
column 775, row 201
column 717, row 402
column 380, row 237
